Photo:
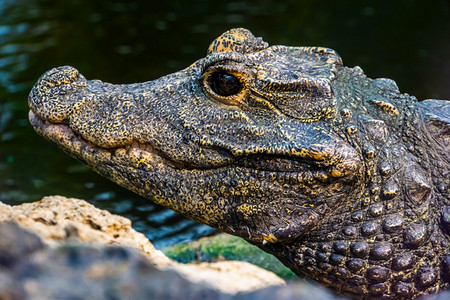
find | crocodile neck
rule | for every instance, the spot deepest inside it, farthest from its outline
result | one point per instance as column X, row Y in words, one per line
column 388, row 238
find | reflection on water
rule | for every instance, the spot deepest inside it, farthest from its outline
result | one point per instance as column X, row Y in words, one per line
column 124, row 41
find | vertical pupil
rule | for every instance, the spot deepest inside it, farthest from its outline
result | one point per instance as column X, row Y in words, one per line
column 224, row 84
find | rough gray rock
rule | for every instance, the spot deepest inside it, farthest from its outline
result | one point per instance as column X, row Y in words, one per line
column 31, row 270
column 58, row 220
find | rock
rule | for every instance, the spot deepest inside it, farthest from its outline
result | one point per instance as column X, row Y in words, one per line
column 23, row 243
column 82, row 271
column 226, row 247
column 236, row 276
column 58, row 220
column 100, row 272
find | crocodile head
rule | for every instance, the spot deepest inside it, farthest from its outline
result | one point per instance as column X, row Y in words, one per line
column 242, row 140
column 283, row 146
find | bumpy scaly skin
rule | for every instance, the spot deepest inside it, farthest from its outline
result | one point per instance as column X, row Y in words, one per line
column 342, row 177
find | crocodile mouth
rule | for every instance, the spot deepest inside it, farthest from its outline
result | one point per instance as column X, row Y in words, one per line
column 145, row 158
column 77, row 146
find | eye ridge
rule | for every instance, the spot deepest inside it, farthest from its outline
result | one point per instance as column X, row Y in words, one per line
column 224, row 84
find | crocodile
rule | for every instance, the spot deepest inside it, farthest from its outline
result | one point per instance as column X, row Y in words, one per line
column 342, row 177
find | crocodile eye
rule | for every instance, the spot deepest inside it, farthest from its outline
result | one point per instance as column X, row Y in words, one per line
column 224, row 84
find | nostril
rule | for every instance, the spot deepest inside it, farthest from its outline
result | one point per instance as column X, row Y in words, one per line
column 56, row 92
column 59, row 76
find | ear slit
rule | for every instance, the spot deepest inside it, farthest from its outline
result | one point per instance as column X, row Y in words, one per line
column 306, row 99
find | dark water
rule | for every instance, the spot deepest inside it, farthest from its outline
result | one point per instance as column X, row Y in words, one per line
column 132, row 41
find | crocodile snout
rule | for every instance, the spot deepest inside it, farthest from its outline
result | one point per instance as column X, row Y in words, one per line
column 51, row 97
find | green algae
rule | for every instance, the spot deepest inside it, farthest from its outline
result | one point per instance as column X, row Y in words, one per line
column 226, row 247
